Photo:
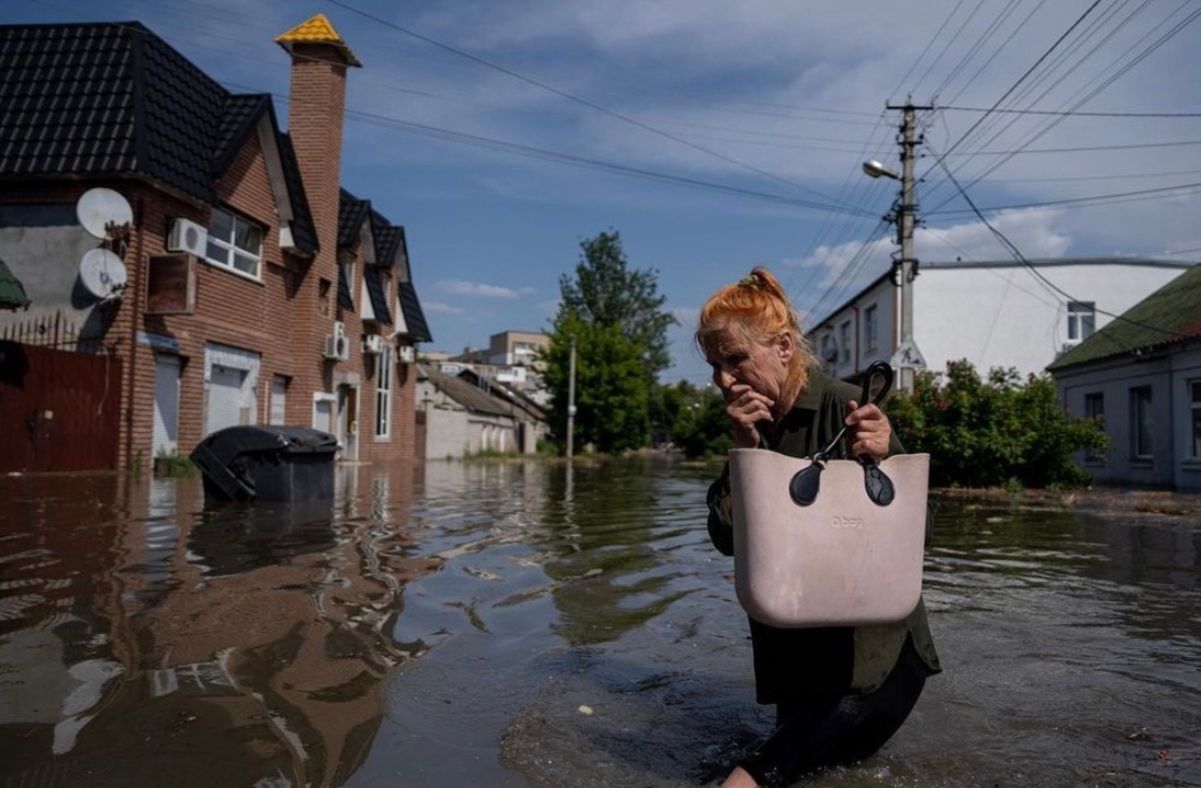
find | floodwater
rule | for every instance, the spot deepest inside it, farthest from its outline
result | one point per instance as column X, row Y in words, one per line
column 502, row 624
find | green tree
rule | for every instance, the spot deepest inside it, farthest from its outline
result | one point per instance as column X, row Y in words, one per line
column 606, row 292
column 611, row 386
column 616, row 316
column 983, row 432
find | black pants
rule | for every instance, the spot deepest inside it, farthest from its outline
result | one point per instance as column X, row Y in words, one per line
column 824, row 730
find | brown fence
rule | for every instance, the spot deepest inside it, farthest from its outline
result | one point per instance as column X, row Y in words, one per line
column 58, row 410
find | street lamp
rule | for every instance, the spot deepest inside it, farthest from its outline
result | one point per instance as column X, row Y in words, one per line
column 907, row 358
column 874, row 169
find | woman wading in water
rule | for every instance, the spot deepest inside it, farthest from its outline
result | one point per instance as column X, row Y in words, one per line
column 840, row 692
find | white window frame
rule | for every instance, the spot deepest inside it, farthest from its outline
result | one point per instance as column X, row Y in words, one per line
column 871, row 328
column 1136, row 434
column 232, row 249
column 383, row 394
column 844, row 341
column 1078, row 312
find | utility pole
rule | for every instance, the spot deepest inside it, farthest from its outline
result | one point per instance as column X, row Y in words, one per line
column 907, row 357
column 571, row 404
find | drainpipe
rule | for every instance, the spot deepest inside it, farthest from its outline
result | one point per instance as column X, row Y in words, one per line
column 135, row 293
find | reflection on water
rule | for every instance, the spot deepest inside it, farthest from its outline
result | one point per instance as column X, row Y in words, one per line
column 513, row 623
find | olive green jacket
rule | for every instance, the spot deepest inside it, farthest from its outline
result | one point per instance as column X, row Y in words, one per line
column 794, row 662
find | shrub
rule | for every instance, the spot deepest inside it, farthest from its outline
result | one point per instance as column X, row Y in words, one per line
column 983, row 433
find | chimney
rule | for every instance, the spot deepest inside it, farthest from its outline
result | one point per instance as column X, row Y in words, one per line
column 316, row 111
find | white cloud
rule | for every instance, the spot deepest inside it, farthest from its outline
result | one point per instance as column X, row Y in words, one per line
column 460, row 287
column 438, row 308
column 1037, row 232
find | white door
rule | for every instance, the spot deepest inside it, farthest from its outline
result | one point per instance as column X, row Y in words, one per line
column 166, row 404
column 225, row 397
column 348, row 421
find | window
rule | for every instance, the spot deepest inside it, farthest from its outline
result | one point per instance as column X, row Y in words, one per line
column 870, row 331
column 1082, row 319
column 234, row 243
column 845, row 333
column 279, row 388
column 1195, row 406
column 1094, row 410
column 1141, row 446
column 383, row 393
column 829, row 350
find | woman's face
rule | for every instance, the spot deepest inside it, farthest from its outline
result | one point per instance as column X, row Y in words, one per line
column 737, row 359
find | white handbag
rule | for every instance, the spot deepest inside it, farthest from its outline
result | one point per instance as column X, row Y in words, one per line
column 820, row 542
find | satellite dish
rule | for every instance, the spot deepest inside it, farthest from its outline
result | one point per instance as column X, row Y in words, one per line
column 102, row 273
column 101, row 209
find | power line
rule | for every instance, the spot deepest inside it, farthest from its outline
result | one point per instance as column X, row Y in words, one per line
column 929, row 44
column 1017, row 254
column 1069, row 201
column 1123, row 69
column 997, row 51
column 577, row 99
column 545, row 154
column 1079, row 114
column 1078, row 149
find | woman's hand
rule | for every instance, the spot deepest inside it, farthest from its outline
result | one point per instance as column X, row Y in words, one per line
column 872, row 432
column 746, row 407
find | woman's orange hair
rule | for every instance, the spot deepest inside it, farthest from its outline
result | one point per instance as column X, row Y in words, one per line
column 758, row 307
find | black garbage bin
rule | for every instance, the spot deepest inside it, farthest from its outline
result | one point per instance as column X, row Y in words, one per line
column 277, row 464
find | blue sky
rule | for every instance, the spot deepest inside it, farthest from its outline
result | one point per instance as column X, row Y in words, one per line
column 784, row 98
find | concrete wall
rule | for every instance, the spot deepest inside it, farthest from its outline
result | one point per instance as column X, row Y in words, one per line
column 42, row 245
column 884, row 297
column 1169, row 376
column 994, row 316
column 1003, row 317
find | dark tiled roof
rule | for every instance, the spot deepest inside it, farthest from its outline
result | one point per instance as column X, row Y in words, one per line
column 344, row 298
column 351, row 213
column 387, row 239
column 469, row 396
column 377, row 294
column 67, row 99
column 113, row 99
column 304, row 233
column 414, row 318
column 238, row 117
column 1170, row 315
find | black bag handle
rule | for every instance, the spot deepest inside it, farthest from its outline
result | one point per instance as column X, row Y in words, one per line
column 806, row 483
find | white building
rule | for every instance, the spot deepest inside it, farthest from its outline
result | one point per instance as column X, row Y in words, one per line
column 462, row 415
column 1140, row 378
column 994, row 314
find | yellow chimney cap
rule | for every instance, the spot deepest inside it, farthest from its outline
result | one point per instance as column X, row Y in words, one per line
column 317, row 30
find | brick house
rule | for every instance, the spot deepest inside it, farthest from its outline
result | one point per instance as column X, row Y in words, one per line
column 298, row 308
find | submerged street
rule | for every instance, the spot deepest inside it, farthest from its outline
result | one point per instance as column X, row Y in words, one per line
column 511, row 623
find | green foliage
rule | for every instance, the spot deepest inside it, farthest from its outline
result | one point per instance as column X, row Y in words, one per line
column 605, row 292
column 694, row 419
column 171, row 465
column 998, row 431
column 617, row 320
column 612, row 390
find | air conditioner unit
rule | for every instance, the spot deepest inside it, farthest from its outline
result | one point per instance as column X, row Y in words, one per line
column 337, row 346
column 406, row 354
column 187, row 236
column 373, row 343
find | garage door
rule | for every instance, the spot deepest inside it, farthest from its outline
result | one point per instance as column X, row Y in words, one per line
column 225, row 398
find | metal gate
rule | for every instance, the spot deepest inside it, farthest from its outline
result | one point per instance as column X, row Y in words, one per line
column 58, row 410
